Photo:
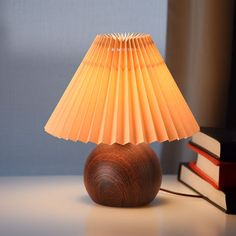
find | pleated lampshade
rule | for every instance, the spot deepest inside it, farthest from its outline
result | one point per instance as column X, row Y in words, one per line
column 122, row 92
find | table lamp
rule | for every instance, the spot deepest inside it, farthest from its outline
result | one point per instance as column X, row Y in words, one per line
column 121, row 98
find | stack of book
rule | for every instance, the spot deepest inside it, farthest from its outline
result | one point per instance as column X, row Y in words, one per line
column 213, row 174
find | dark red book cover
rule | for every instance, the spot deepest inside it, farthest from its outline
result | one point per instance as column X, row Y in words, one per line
column 227, row 174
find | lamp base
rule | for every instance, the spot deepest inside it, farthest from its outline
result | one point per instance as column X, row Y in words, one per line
column 122, row 175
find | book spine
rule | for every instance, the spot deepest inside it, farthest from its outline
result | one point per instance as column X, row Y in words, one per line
column 227, row 176
column 230, row 202
column 227, row 151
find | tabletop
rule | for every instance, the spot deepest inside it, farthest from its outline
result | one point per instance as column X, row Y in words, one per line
column 59, row 205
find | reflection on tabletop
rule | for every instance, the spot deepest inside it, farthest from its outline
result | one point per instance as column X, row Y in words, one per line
column 59, row 205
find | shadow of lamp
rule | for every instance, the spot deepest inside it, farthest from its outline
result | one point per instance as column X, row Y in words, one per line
column 122, row 97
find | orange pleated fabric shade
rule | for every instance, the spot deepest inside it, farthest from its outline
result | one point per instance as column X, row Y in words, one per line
column 122, row 92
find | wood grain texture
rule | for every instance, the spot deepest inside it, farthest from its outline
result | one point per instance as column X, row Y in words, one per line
column 122, row 175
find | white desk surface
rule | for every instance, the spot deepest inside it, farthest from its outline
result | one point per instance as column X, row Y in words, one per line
column 59, row 205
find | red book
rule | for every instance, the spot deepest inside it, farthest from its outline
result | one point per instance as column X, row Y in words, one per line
column 225, row 200
column 221, row 175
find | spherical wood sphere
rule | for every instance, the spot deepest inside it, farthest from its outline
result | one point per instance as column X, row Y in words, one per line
column 122, row 175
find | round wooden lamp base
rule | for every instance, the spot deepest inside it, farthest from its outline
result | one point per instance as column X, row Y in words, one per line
column 122, row 175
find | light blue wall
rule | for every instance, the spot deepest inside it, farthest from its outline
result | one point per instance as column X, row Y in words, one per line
column 41, row 44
